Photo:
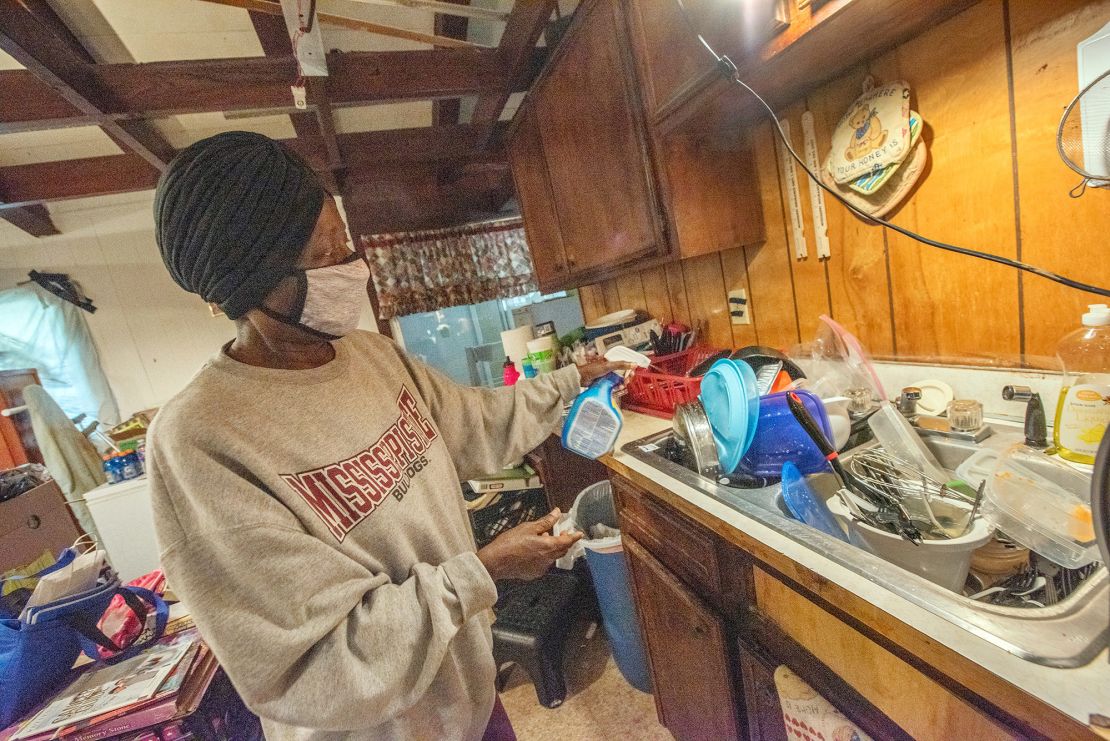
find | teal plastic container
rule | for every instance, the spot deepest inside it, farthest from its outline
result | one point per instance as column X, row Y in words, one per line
column 594, row 422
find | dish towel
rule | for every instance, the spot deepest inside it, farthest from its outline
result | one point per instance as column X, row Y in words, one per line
column 810, row 717
column 68, row 455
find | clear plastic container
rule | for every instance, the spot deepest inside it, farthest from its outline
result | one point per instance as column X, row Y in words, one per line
column 1044, row 504
column 1083, row 410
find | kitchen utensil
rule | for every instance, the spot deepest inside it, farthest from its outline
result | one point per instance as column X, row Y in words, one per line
column 943, row 562
column 805, row 505
column 1048, row 570
column 779, row 437
column 1081, row 138
column 766, row 376
column 703, row 367
column 731, row 403
column 695, row 438
column 935, row 396
column 823, row 441
column 1044, row 504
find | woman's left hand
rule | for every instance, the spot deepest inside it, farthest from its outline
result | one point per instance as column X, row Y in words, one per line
column 592, row 371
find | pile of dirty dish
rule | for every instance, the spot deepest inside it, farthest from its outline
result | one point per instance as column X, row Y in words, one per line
column 889, row 496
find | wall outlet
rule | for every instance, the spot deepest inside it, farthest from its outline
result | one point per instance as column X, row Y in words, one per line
column 738, row 307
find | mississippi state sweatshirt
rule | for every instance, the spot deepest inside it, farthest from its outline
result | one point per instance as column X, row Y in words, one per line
column 312, row 521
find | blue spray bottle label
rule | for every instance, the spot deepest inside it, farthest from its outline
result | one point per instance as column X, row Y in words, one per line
column 594, row 422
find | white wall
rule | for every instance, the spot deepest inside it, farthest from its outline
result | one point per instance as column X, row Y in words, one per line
column 152, row 336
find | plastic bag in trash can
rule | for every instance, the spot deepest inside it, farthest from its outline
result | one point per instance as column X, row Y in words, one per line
column 594, row 514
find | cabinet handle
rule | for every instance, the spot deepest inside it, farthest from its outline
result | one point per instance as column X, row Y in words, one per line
column 700, row 631
column 572, row 262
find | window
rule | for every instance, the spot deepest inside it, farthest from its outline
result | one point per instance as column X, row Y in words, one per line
column 465, row 341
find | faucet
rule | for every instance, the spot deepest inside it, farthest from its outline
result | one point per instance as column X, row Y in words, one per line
column 929, row 425
column 1036, row 426
column 907, row 401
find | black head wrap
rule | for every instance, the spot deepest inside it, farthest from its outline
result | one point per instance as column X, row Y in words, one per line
column 232, row 214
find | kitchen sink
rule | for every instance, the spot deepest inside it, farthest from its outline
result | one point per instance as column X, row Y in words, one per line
column 1068, row 634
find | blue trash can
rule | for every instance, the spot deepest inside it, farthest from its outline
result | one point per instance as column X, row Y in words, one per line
column 613, row 584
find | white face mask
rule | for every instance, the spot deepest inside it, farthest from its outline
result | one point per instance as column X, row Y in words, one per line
column 334, row 297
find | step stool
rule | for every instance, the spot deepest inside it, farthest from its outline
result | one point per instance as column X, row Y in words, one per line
column 533, row 621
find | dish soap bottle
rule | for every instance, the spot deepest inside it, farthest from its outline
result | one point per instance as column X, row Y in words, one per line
column 594, row 421
column 1084, row 407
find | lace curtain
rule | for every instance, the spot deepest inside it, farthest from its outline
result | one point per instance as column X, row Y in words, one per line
column 423, row 271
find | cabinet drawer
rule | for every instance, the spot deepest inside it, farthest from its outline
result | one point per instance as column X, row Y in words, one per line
column 686, row 548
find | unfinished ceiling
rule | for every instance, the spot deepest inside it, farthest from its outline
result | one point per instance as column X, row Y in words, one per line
column 100, row 93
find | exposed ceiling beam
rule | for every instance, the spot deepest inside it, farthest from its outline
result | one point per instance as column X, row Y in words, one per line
column 446, row 110
column 514, row 54
column 357, row 24
column 365, row 153
column 46, row 15
column 49, row 58
column 35, row 220
column 274, row 37
column 159, row 89
column 42, row 182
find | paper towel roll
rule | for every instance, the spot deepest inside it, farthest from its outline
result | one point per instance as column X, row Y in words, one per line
column 515, row 343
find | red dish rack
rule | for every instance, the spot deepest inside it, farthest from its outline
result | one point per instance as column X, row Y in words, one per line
column 659, row 388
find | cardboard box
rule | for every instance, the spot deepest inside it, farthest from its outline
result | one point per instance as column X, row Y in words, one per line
column 34, row 522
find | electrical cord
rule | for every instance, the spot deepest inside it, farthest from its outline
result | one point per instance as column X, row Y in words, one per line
column 728, row 67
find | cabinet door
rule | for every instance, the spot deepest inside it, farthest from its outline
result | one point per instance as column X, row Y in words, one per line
column 594, row 142
column 761, row 700
column 533, row 189
column 688, row 650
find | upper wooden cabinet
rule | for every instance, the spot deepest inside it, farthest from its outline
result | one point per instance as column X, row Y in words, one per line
column 595, row 143
column 601, row 194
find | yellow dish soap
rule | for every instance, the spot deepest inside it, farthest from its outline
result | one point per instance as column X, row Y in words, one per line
column 1083, row 411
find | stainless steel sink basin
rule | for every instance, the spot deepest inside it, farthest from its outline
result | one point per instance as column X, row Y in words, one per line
column 1068, row 634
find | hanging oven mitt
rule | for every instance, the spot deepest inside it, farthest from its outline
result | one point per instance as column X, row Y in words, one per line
column 872, row 134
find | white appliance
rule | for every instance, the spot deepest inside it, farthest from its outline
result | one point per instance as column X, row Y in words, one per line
column 123, row 516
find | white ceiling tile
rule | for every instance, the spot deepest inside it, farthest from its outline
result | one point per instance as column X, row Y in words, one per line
column 26, row 147
column 409, row 115
column 185, row 129
column 8, row 62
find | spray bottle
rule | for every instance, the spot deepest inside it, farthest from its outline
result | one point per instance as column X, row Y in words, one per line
column 594, row 421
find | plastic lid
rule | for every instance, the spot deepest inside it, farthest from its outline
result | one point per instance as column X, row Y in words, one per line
column 1098, row 315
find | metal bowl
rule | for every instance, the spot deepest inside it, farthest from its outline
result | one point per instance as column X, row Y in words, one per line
column 695, row 439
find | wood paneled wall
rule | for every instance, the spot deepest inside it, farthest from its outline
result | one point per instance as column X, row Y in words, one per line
column 991, row 84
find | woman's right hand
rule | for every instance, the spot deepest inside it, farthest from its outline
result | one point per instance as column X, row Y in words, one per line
column 527, row 550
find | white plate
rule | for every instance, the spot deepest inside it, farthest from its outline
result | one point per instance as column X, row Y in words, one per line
column 617, row 317
column 935, row 396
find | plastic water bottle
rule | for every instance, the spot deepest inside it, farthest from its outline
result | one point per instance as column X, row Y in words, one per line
column 111, row 470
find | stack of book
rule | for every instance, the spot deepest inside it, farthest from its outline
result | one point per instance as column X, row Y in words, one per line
column 162, row 684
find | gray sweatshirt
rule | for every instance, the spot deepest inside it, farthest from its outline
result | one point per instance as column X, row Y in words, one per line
column 312, row 521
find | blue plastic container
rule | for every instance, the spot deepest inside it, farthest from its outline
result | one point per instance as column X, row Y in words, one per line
column 779, row 438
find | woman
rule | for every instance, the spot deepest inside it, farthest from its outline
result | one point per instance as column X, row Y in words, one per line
column 306, row 481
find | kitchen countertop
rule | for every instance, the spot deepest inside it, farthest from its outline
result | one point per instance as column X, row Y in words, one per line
column 1075, row 692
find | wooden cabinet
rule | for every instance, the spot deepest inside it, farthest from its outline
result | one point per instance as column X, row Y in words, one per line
column 761, row 701
column 689, row 653
column 537, row 206
column 717, row 623
column 581, row 160
column 564, row 474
